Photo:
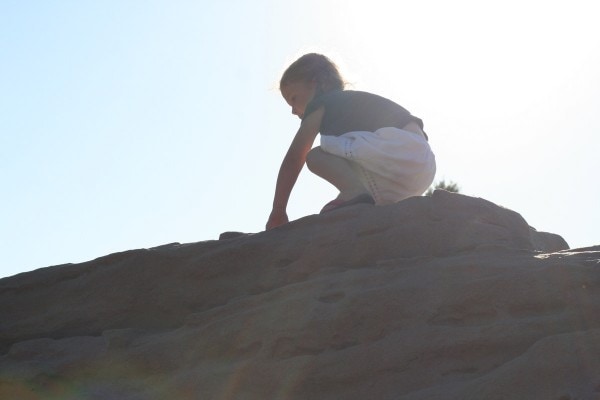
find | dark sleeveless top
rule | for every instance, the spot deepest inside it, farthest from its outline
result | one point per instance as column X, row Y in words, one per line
column 349, row 111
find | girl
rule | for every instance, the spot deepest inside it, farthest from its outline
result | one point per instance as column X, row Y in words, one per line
column 372, row 149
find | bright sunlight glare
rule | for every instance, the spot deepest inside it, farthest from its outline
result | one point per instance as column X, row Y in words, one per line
column 135, row 124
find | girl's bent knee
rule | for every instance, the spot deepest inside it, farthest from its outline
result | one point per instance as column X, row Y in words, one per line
column 312, row 158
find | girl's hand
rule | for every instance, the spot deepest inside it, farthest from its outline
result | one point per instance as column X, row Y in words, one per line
column 277, row 218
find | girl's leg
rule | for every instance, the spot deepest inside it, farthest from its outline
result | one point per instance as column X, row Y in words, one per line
column 337, row 171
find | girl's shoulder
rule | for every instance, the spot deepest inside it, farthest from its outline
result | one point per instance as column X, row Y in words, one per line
column 346, row 95
column 348, row 101
column 358, row 98
column 357, row 95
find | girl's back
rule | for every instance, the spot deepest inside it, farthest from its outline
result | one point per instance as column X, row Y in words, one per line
column 349, row 110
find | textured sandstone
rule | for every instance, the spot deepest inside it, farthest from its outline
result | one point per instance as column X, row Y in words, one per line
column 443, row 297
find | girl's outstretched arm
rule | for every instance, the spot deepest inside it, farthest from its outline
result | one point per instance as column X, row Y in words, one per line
column 292, row 165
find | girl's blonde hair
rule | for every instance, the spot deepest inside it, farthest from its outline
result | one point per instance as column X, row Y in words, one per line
column 315, row 67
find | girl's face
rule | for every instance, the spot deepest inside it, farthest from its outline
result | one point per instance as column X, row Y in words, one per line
column 298, row 95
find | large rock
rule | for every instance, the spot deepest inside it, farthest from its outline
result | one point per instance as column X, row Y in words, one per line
column 442, row 297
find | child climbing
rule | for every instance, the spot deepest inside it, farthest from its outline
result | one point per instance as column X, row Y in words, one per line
column 372, row 149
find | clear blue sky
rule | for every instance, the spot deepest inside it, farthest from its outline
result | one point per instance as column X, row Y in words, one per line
column 130, row 124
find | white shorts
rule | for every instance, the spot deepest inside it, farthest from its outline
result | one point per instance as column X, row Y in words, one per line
column 392, row 163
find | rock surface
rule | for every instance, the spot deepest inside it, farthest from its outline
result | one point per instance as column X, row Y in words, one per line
column 442, row 297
